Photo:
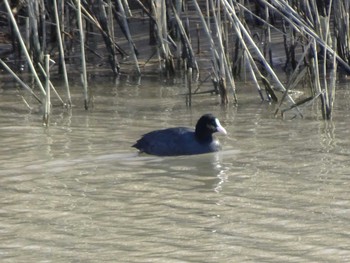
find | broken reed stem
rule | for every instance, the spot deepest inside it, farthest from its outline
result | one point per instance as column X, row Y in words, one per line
column 47, row 106
column 43, row 71
column 82, row 51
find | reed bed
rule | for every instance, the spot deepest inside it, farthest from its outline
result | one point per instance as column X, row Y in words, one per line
column 277, row 45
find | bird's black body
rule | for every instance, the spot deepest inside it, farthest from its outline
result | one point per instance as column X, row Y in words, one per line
column 182, row 140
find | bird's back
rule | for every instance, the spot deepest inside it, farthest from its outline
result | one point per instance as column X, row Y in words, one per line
column 174, row 141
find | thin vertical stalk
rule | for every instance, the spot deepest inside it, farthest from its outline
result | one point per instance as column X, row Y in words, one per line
column 207, row 31
column 159, row 9
column 189, row 85
column 326, row 40
column 83, row 62
column 198, row 40
column 25, row 86
column 126, row 8
column 127, row 31
column 294, row 20
column 43, row 71
column 238, row 25
column 60, row 43
column 208, row 14
column 47, row 108
column 191, row 63
column 215, row 55
column 268, row 37
column 333, row 82
column 27, row 33
column 42, row 20
column 35, row 41
column 20, row 39
column 110, row 19
column 252, row 73
column 317, row 78
column 224, row 63
column 105, row 29
column 296, row 73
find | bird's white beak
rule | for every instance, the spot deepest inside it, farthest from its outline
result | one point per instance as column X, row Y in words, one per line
column 219, row 128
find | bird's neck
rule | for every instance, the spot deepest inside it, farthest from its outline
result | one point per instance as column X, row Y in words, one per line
column 204, row 137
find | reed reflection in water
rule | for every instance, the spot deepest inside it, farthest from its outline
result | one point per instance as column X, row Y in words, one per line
column 77, row 191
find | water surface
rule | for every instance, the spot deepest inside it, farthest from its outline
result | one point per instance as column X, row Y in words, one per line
column 77, row 192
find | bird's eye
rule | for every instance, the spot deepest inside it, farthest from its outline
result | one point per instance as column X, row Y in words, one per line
column 211, row 127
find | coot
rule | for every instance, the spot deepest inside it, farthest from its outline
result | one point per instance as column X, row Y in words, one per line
column 182, row 140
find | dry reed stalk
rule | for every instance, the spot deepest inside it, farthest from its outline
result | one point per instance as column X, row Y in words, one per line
column 253, row 75
column 316, row 76
column 104, row 32
column 188, row 77
column 236, row 21
column 110, row 19
column 198, row 40
column 302, row 21
column 62, row 56
column 239, row 29
column 321, row 34
column 127, row 8
column 295, row 78
column 36, row 48
column 207, row 31
column 332, row 85
column 224, row 67
column 164, row 54
column 294, row 20
column 25, row 86
column 326, row 37
column 43, row 71
column 23, row 46
column 128, row 35
column 341, row 25
column 103, row 20
column 191, row 60
column 82, row 50
column 144, row 9
column 217, row 67
column 47, row 108
column 269, row 42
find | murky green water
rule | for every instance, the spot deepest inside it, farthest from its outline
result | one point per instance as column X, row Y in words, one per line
column 77, row 191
